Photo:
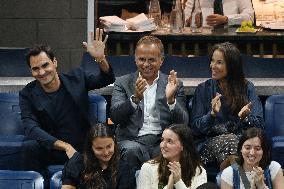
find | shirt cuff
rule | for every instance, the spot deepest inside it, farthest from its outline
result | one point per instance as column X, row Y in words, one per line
column 180, row 184
column 172, row 106
column 132, row 103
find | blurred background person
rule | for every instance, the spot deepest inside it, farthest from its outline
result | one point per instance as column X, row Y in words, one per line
column 220, row 12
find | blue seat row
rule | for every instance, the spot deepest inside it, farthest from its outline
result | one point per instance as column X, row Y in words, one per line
column 21, row 180
column 12, row 135
column 12, row 138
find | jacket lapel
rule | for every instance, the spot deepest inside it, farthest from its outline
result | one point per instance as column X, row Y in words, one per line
column 161, row 87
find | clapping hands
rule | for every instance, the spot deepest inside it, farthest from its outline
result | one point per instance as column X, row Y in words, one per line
column 175, row 170
column 216, row 104
column 171, row 87
column 245, row 111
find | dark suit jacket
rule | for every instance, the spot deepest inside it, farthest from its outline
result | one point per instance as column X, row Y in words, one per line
column 130, row 120
column 36, row 111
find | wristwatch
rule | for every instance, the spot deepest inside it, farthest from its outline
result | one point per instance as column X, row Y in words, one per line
column 135, row 99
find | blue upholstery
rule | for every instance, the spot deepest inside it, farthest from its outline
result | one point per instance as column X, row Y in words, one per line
column 20, row 180
column 10, row 118
column 274, row 121
column 196, row 67
column 256, row 67
column 55, row 181
column 13, row 62
column 11, row 133
column 183, row 65
column 97, row 107
column 97, row 112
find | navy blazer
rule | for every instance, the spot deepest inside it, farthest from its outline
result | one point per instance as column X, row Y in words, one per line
column 130, row 120
column 36, row 112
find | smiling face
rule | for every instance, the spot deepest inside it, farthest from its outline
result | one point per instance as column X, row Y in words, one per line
column 218, row 65
column 252, row 152
column 44, row 69
column 171, row 147
column 103, row 148
column 148, row 60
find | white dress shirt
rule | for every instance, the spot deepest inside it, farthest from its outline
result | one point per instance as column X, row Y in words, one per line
column 151, row 123
column 235, row 10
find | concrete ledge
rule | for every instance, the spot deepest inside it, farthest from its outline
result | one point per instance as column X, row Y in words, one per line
column 264, row 86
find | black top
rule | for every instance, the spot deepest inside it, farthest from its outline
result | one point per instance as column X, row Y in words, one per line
column 67, row 128
column 73, row 168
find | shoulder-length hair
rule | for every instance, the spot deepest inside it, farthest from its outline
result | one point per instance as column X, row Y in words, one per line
column 92, row 175
column 265, row 145
column 235, row 95
column 189, row 159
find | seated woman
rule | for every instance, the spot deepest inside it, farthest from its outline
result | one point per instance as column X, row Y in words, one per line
column 100, row 166
column 223, row 106
column 254, row 168
column 177, row 167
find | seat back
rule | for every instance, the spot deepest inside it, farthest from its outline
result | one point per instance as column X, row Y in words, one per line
column 55, row 181
column 10, row 118
column 274, row 125
column 274, row 115
column 21, row 179
column 13, row 62
column 97, row 108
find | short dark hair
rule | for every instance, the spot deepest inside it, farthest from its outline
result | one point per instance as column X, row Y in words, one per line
column 37, row 49
column 265, row 145
column 149, row 39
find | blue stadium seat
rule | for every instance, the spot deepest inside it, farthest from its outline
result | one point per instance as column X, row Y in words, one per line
column 20, row 180
column 97, row 108
column 97, row 113
column 274, row 122
column 55, row 181
column 11, row 132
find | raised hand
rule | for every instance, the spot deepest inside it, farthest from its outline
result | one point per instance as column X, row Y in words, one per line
column 96, row 47
column 216, row 104
column 140, row 87
column 245, row 111
column 171, row 87
column 175, row 169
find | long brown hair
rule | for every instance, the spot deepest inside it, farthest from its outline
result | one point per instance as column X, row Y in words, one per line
column 235, row 93
column 92, row 175
column 189, row 159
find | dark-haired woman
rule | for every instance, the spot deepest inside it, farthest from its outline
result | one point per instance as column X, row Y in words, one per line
column 254, row 168
column 100, row 166
column 223, row 106
column 177, row 167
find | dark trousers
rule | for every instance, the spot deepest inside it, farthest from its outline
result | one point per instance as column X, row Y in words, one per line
column 140, row 150
column 38, row 157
